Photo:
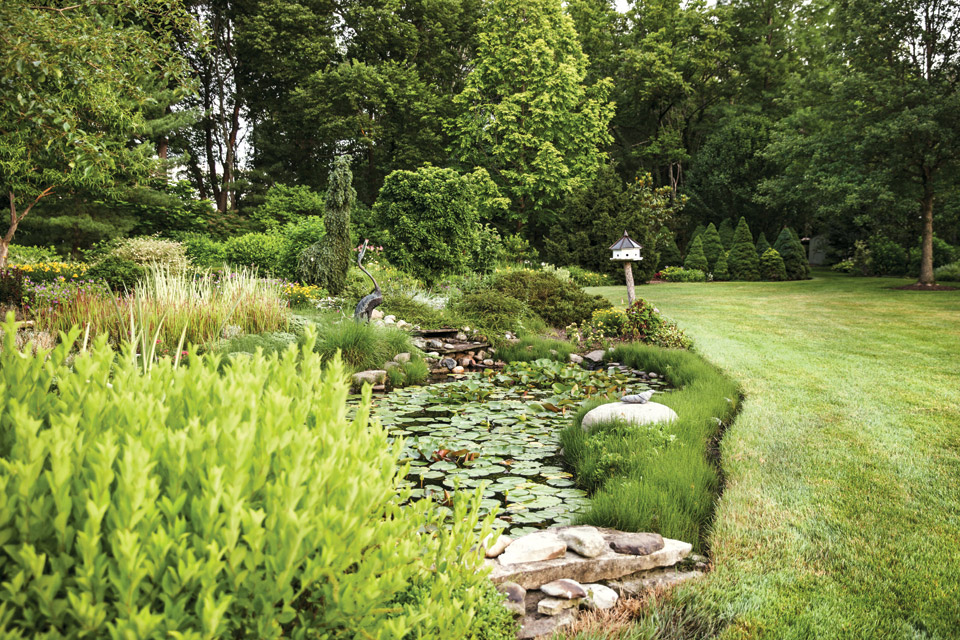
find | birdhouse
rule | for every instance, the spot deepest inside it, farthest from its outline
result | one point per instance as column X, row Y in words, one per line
column 625, row 249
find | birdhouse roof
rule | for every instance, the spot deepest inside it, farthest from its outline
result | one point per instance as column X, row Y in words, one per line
column 626, row 242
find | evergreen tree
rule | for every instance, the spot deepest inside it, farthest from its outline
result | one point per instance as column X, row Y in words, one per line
column 793, row 254
column 771, row 266
column 762, row 244
column 726, row 233
column 695, row 258
column 698, row 230
column 326, row 263
column 720, row 271
column 712, row 245
column 670, row 255
column 742, row 261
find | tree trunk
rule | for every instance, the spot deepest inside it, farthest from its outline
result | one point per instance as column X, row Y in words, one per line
column 628, row 273
column 926, row 242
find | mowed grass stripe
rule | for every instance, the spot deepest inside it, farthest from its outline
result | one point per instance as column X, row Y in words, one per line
column 841, row 512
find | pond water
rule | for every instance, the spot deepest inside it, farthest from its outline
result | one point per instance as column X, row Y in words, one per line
column 500, row 431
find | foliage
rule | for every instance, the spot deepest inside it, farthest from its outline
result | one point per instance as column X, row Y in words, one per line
column 682, row 274
column 646, row 324
column 152, row 251
column 762, row 244
column 29, row 255
column 793, row 254
column 53, row 271
column 202, row 250
column 119, row 273
column 844, row 266
column 326, row 262
column 298, row 236
column 721, row 272
column 771, row 266
column 408, row 308
column 431, row 218
column 285, row 204
column 696, row 260
column 261, row 251
column 489, row 250
column 727, row 233
column 884, row 258
column 712, row 245
column 251, row 343
column 585, row 278
column 11, row 285
column 534, row 348
column 518, row 250
column 139, row 449
column 943, row 254
column 494, row 311
column 525, row 114
column 559, row 303
column 742, row 261
column 949, row 272
column 362, row 345
column 302, row 295
column 670, row 255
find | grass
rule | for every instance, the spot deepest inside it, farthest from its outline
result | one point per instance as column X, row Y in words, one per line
column 841, row 511
column 362, row 346
column 640, row 480
column 533, row 348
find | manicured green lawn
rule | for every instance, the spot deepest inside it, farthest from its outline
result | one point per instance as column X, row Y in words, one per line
column 841, row 512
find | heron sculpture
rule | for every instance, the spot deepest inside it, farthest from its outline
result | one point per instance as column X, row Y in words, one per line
column 373, row 299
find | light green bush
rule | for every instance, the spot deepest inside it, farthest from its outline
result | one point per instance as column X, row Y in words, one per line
column 696, row 260
column 151, row 250
column 771, row 266
column 680, row 274
column 262, row 251
column 183, row 502
column 948, row 272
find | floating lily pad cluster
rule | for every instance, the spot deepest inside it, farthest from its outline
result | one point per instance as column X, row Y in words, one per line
column 500, row 432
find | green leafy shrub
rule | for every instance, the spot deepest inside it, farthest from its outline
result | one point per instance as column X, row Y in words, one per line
column 844, row 266
column 742, row 261
column 262, row 251
column 151, row 250
column 415, row 371
column 585, row 278
column 489, row 250
column 298, row 236
column 887, row 258
column 793, row 254
column 696, row 260
column 302, row 295
column 186, row 502
column 119, row 273
column 948, row 272
column 517, row 250
column 491, row 310
column 681, row 274
column 670, row 255
column 284, row 204
column 11, row 285
column 268, row 343
column 771, row 266
column 362, row 345
column 720, row 271
column 712, row 245
column 646, row 324
column 52, row 271
column 697, row 231
column 559, row 303
column 17, row 254
column 202, row 250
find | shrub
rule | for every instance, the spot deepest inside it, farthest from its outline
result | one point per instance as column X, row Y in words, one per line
column 415, row 312
column 844, row 266
column 762, row 244
column 493, row 311
column 606, row 323
column 771, row 266
column 585, row 278
column 415, row 371
column 948, row 272
column 886, row 257
column 11, row 285
column 489, row 250
column 530, row 349
column 727, row 233
column 669, row 252
column 517, row 250
column 645, row 324
column 362, row 345
column 696, row 260
column 712, row 245
column 298, row 236
column 680, row 274
column 117, row 272
column 559, row 303
column 721, row 272
column 327, row 262
column 202, row 250
column 943, row 253
column 151, row 250
column 793, row 254
column 697, row 231
column 186, row 502
column 742, row 261
column 284, row 204
column 52, row 271
column 431, row 218
column 267, row 343
column 262, row 251
column 17, row 254
column 302, row 295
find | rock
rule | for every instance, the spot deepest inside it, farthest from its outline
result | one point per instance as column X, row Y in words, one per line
column 431, row 362
column 390, row 319
column 652, row 376
column 391, row 365
column 534, row 626
column 638, row 398
column 373, row 377
column 516, row 595
column 419, row 343
column 609, row 565
column 449, row 363
column 648, row 413
column 377, row 388
column 376, row 314
column 553, row 352
column 499, row 545
column 563, row 588
column 636, row 544
column 599, row 596
column 458, row 369
column 576, row 359
column 402, row 357
column 587, row 541
column 465, row 330
column 466, row 362
column 480, row 355
column 596, row 356
column 488, row 362
column 640, row 583
column 403, row 324
column 433, row 343
column 433, row 354
column 553, row 606
column 534, row 547
column 462, row 337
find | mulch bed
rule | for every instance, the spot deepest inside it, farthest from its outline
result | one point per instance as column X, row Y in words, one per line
column 925, row 287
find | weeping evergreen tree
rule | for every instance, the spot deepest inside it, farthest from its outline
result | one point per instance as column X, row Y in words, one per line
column 720, row 270
column 712, row 245
column 762, row 244
column 326, row 263
column 670, row 255
column 793, row 254
column 726, row 233
column 695, row 258
column 771, row 266
column 743, row 262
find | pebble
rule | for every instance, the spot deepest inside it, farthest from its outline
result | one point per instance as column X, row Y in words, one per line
column 599, row 596
column 499, row 545
column 402, row 357
column 449, row 363
column 515, row 597
column 390, row 319
column 488, row 362
column 563, row 588
column 576, row 359
column 553, row 606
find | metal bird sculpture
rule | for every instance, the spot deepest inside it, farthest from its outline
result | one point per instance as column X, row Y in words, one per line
column 373, row 299
column 638, row 398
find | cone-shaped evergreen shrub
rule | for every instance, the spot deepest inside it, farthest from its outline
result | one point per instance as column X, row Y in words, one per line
column 762, row 244
column 742, row 260
column 326, row 263
column 726, row 233
column 793, row 254
column 720, row 270
column 670, row 255
column 712, row 245
column 771, row 266
column 697, row 231
column 695, row 258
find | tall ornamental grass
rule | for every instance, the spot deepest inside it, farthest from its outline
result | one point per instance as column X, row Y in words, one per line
column 186, row 502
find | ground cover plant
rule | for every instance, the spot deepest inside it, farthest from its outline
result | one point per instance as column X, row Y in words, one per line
column 834, row 520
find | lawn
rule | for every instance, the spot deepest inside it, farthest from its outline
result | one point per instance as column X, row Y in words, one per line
column 840, row 517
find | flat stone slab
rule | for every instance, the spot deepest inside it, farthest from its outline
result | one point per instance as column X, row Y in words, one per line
column 534, row 626
column 641, row 583
column 648, row 413
column 609, row 565
column 567, row 589
column 534, row 547
column 555, row 606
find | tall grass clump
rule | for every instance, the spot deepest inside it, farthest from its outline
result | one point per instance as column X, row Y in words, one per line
column 657, row 477
column 534, row 348
column 362, row 345
column 186, row 502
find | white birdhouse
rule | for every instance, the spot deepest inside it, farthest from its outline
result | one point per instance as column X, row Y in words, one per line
column 626, row 249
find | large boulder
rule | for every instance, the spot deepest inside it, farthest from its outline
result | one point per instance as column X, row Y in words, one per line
column 648, row 413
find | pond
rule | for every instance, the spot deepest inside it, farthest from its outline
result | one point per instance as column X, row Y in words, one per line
column 501, row 431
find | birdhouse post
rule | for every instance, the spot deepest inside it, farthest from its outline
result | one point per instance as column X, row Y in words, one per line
column 627, row 251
